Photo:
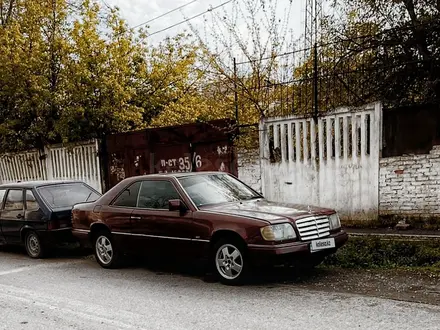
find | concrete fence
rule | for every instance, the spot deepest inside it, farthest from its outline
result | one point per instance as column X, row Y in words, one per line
column 332, row 162
column 56, row 162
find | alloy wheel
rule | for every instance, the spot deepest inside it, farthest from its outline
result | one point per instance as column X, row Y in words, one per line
column 229, row 261
column 104, row 250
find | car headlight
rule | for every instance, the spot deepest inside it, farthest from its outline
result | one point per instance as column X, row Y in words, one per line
column 281, row 232
column 335, row 222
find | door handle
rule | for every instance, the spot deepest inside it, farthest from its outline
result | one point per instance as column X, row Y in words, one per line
column 135, row 218
column 19, row 216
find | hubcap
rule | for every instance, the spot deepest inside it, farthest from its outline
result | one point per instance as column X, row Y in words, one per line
column 229, row 261
column 33, row 245
column 104, row 250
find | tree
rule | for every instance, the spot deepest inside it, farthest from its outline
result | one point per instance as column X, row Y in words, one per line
column 101, row 77
column 397, row 44
column 72, row 70
column 31, row 39
column 255, row 35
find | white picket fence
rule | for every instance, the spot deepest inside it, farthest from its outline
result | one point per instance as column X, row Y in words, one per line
column 332, row 163
column 56, row 162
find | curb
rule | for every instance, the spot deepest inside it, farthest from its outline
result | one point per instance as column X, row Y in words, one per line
column 391, row 236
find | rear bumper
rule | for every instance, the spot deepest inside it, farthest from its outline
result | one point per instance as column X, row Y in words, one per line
column 82, row 237
column 293, row 252
column 57, row 236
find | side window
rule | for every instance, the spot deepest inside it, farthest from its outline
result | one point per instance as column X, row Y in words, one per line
column 129, row 196
column 156, row 194
column 2, row 196
column 31, row 202
column 14, row 200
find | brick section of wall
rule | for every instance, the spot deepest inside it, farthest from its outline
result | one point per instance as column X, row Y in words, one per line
column 410, row 185
column 249, row 170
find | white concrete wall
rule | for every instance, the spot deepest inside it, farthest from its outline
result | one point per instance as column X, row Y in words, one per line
column 307, row 173
column 249, row 168
column 409, row 185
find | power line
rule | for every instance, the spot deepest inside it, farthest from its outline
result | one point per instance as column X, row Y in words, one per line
column 191, row 18
column 168, row 12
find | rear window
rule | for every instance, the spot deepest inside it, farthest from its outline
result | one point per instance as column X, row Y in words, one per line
column 67, row 195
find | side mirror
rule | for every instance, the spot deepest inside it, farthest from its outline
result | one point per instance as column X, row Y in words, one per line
column 177, row 205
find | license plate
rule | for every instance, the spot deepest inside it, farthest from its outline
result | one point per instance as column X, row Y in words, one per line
column 322, row 244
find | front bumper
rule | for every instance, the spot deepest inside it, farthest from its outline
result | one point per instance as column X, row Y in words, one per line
column 292, row 253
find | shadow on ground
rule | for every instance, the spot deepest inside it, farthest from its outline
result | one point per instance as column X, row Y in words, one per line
column 411, row 284
column 68, row 252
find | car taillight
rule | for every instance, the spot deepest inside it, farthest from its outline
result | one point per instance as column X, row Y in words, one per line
column 54, row 224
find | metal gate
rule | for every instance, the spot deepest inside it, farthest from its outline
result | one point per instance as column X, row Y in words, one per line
column 185, row 148
column 333, row 162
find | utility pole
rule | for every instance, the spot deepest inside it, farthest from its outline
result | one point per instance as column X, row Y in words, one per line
column 312, row 30
column 235, row 92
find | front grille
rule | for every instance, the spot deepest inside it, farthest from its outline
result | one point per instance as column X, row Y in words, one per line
column 313, row 227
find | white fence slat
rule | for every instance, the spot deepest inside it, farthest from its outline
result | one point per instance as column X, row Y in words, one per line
column 321, row 139
column 298, row 142
column 276, row 136
column 290, row 141
column 353, row 137
column 305, row 141
column 337, row 138
column 283, row 142
column 329, row 136
column 363, row 135
column 345, row 139
column 313, row 140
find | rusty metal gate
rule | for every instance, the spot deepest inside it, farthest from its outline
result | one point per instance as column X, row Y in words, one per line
column 186, row 148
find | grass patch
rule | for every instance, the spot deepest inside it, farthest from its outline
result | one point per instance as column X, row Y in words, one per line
column 390, row 221
column 374, row 252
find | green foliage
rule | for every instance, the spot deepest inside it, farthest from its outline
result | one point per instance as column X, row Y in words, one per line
column 389, row 48
column 373, row 252
column 73, row 71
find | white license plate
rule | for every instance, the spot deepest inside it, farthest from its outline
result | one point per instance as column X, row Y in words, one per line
column 322, row 244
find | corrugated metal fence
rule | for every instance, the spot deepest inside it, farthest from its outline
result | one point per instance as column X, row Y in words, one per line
column 56, row 162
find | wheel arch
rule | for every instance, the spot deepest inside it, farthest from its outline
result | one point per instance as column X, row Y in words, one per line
column 96, row 227
column 226, row 234
column 24, row 230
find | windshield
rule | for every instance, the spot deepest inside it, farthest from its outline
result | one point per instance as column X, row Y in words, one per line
column 67, row 195
column 216, row 189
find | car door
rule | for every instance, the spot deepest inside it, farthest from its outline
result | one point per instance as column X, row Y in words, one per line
column 34, row 214
column 161, row 231
column 117, row 214
column 2, row 197
column 13, row 216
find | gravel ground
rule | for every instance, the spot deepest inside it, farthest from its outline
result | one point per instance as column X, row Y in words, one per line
column 73, row 292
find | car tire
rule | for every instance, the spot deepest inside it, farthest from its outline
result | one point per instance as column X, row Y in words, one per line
column 106, row 253
column 33, row 245
column 230, row 262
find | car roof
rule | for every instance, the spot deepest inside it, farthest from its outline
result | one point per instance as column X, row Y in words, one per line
column 176, row 175
column 36, row 184
column 185, row 174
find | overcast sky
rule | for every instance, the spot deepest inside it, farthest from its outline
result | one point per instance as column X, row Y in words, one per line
column 139, row 11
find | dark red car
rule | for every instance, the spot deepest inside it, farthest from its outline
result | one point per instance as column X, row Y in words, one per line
column 210, row 215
